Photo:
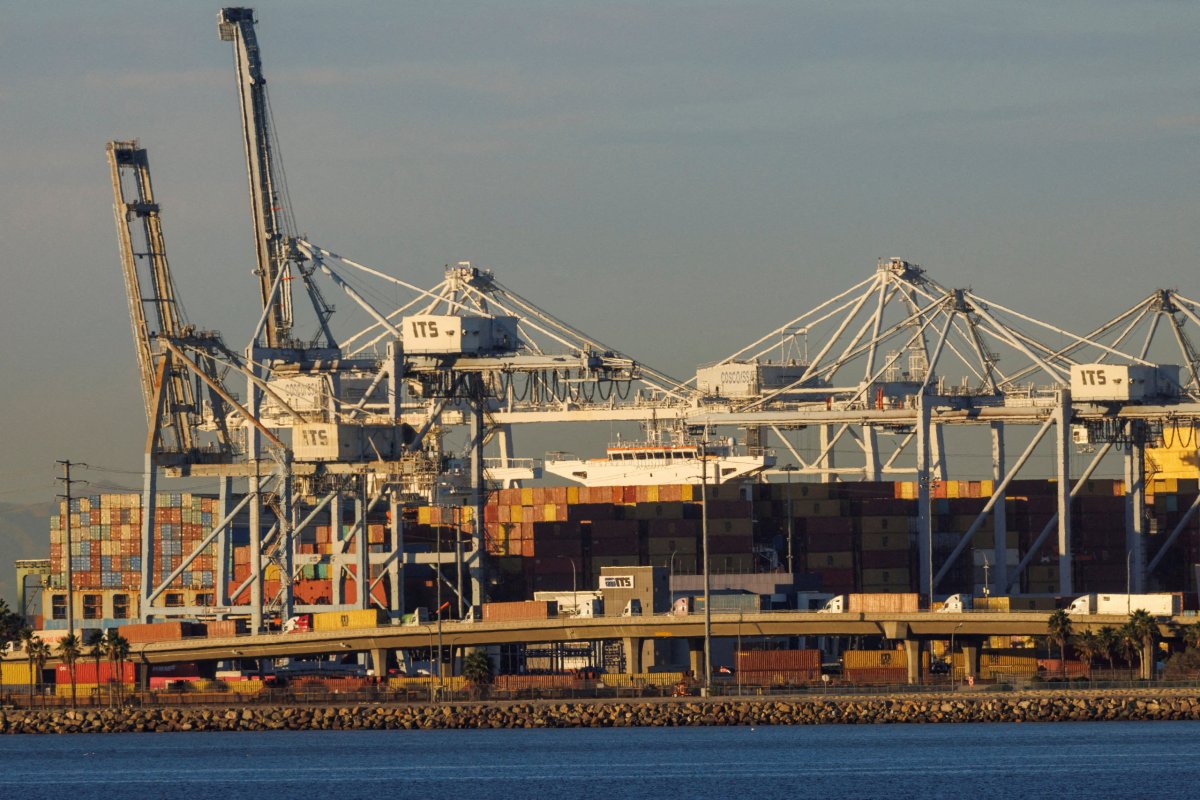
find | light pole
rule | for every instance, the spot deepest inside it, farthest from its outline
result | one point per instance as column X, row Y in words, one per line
column 789, row 469
column 953, row 681
column 704, row 540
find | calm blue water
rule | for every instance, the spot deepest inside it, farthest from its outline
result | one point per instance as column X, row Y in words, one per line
column 1028, row 761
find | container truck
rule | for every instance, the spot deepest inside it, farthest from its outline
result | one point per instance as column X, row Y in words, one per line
column 1162, row 604
column 956, row 604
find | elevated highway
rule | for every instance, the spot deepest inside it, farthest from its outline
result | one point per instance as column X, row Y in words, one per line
column 914, row 630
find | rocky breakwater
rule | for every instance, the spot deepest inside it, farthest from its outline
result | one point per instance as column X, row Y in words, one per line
column 729, row 711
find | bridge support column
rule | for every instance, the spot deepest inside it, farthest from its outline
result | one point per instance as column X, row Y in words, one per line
column 379, row 660
column 970, row 654
column 696, row 658
column 633, row 655
column 912, row 654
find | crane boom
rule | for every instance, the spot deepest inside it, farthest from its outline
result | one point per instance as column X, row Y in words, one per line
column 274, row 245
column 148, row 282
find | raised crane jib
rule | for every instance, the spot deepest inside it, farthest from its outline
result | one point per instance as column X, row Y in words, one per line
column 153, row 308
column 274, row 243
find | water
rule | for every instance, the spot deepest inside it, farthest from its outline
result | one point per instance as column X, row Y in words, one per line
column 975, row 762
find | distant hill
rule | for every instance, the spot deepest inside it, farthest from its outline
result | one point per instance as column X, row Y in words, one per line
column 24, row 533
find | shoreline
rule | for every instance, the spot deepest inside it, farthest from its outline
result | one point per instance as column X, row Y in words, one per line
column 897, row 709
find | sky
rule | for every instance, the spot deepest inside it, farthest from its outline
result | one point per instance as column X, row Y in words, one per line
column 675, row 178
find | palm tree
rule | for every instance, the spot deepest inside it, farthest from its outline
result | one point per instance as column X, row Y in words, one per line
column 27, row 640
column 116, row 647
column 11, row 625
column 477, row 669
column 1144, row 630
column 96, row 652
column 1129, row 645
column 1087, row 644
column 39, row 653
column 1109, row 641
column 70, row 650
column 1059, row 627
column 1190, row 634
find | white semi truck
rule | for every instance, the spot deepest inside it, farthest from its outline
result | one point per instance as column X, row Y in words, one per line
column 1162, row 604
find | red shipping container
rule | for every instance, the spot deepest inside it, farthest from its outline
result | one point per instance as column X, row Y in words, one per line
column 86, row 672
column 748, row 660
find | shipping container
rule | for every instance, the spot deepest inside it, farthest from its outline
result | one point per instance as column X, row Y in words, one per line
column 777, row 660
column 349, row 620
column 141, row 633
column 876, row 602
column 520, row 610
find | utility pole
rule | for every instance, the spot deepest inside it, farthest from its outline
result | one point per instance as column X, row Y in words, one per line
column 704, row 541
column 66, row 481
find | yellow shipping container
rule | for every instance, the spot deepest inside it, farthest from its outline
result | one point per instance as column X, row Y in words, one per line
column 244, row 687
column 16, row 673
column 991, row 604
column 527, row 497
column 873, row 659
column 347, row 620
column 642, row 679
column 550, row 513
column 572, row 495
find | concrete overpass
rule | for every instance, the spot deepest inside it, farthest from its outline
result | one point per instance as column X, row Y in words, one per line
column 914, row 630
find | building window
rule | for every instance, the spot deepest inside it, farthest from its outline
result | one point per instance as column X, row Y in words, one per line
column 174, row 599
column 121, row 606
column 58, row 606
column 92, row 606
column 204, row 599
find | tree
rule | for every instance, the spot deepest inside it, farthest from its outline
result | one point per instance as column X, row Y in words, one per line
column 1128, row 645
column 1059, row 627
column 96, row 652
column 116, row 647
column 1109, row 640
column 1143, row 629
column 1190, row 634
column 1087, row 644
column 477, row 669
column 40, row 652
column 11, row 625
column 27, row 639
column 70, row 649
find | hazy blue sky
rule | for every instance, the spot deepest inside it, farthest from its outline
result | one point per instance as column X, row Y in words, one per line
column 674, row 177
